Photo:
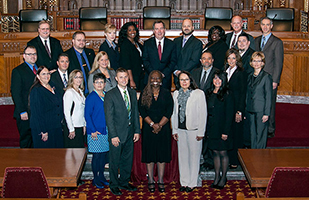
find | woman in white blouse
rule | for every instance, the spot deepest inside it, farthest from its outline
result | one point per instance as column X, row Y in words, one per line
column 74, row 106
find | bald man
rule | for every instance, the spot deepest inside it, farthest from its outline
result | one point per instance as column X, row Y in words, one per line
column 232, row 37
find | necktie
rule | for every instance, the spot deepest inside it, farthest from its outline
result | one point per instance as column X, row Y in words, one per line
column 34, row 69
column 47, row 49
column 65, row 82
column 184, row 42
column 263, row 43
column 126, row 100
column 233, row 42
column 86, row 69
column 159, row 51
column 202, row 83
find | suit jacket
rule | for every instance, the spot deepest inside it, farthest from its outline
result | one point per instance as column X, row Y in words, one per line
column 46, row 109
column 130, row 59
column 167, row 63
column 116, row 115
column 259, row 93
column 246, row 60
column 238, row 86
column 188, row 57
column 21, row 81
column 57, row 81
column 110, row 84
column 230, row 35
column 197, row 74
column 273, row 51
column 196, row 112
column 113, row 55
column 74, row 63
column 43, row 57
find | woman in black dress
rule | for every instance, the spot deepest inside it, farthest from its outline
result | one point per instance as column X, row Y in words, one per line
column 217, row 46
column 46, row 112
column 219, row 123
column 131, row 54
column 156, row 107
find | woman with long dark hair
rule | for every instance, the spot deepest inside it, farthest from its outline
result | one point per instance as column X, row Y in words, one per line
column 237, row 80
column 156, row 107
column 131, row 54
column 219, row 123
column 188, row 123
column 46, row 112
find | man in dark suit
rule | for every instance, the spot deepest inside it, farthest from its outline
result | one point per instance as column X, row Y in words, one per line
column 203, row 78
column 232, row 37
column 48, row 48
column 21, row 81
column 159, row 54
column 122, row 120
column 61, row 76
column 245, row 51
column 188, row 49
column 272, row 47
column 80, row 57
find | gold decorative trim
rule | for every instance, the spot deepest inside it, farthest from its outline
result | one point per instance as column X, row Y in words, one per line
column 306, row 5
column 5, row 6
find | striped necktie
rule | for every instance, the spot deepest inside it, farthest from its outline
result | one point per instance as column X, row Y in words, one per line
column 127, row 102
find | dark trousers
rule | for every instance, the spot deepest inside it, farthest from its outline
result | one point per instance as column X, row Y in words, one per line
column 258, row 130
column 238, row 142
column 25, row 137
column 247, row 135
column 121, row 158
column 272, row 123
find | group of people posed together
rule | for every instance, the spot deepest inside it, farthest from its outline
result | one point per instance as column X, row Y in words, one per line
column 223, row 99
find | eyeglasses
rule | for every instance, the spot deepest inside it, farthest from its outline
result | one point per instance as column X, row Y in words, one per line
column 76, row 77
column 257, row 61
column 99, row 82
column 30, row 54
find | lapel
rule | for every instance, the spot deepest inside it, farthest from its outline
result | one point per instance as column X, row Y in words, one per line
column 258, row 46
column 209, row 78
column 269, row 42
column 234, row 74
column 42, row 46
column 257, row 79
column 121, row 100
column 59, row 78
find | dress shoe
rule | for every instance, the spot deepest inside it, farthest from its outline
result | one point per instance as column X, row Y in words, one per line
column 188, row 189
column 182, row 189
column 221, row 187
column 105, row 183
column 271, row 134
column 151, row 187
column 115, row 191
column 213, row 185
column 233, row 166
column 161, row 187
column 97, row 185
column 128, row 187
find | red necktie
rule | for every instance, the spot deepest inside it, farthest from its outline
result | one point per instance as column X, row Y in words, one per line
column 159, row 51
column 34, row 70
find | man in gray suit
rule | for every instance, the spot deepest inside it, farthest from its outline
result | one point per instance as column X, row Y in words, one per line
column 122, row 120
column 272, row 47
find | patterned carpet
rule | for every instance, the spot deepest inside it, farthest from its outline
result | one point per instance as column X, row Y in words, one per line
column 171, row 192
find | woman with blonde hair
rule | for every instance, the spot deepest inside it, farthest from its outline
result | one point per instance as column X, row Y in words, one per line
column 110, row 46
column 74, row 106
column 101, row 64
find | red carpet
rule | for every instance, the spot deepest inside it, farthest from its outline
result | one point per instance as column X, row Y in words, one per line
column 171, row 192
column 291, row 122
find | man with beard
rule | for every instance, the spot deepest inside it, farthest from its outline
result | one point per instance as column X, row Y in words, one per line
column 245, row 51
column 203, row 78
column 188, row 49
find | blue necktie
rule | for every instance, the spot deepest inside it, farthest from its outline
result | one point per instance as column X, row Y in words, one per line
column 263, row 43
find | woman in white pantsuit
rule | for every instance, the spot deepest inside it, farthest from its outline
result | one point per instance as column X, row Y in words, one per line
column 188, row 123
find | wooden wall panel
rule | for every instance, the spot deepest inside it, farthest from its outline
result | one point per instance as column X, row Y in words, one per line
column 301, row 74
column 286, row 81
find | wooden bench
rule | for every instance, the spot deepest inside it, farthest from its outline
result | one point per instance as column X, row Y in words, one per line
column 241, row 196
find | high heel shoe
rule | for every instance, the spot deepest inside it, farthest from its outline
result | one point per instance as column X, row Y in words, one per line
column 221, row 187
column 98, row 186
column 105, row 183
column 161, row 187
column 213, row 185
column 151, row 187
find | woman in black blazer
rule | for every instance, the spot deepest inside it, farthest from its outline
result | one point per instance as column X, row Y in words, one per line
column 219, row 122
column 131, row 54
column 46, row 112
column 110, row 46
column 259, row 96
column 237, row 80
